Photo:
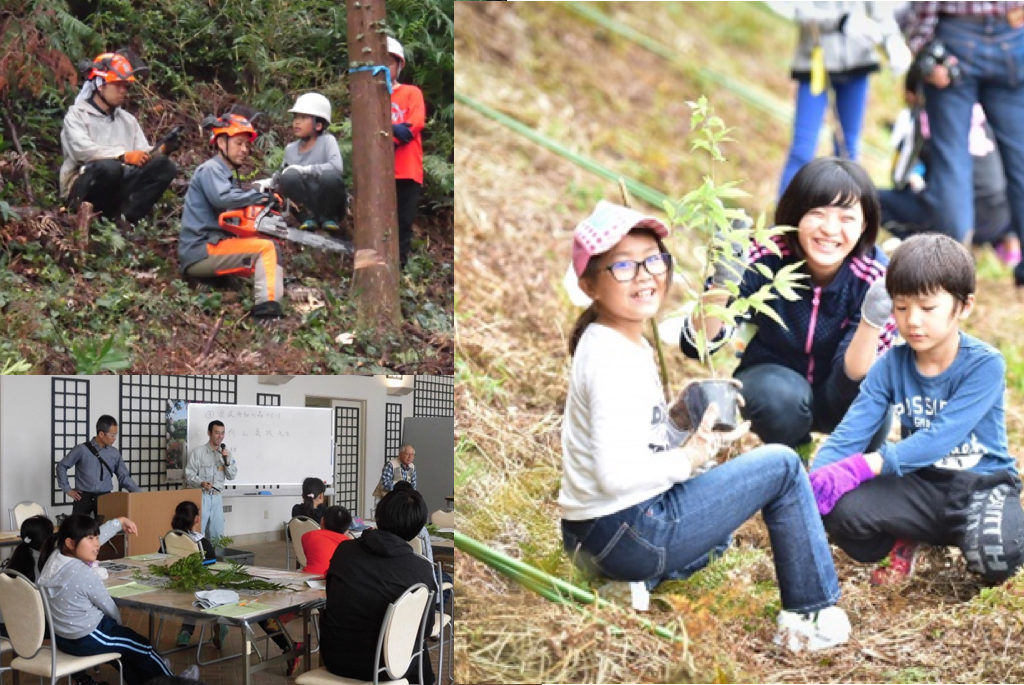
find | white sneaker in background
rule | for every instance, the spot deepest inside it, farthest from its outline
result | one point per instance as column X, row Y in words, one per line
column 813, row 631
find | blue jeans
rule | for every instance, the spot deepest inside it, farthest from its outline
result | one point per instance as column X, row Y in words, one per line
column 851, row 97
column 212, row 516
column 991, row 56
column 673, row 534
column 783, row 407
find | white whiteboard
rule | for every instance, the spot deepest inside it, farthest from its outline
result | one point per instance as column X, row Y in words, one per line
column 275, row 447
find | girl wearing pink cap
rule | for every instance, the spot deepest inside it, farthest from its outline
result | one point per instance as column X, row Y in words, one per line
column 638, row 500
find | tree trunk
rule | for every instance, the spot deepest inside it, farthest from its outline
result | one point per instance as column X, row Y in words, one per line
column 375, row 276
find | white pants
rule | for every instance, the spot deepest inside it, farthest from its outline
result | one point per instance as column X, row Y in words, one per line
column 212, row 517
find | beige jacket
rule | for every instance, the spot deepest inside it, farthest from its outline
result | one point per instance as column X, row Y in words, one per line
column 89, row 134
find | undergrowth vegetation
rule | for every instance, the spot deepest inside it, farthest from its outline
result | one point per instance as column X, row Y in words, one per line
column 116, row 302
column 613, row 88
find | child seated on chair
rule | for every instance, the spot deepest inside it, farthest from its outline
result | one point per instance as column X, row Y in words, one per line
column 187, row 519
column 312, row 505
column 319, row 545
column 85, row 618
column 25, row 557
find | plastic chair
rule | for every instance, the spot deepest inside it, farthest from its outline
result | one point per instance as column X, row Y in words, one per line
column 177, row 543
column 5, row 646
column 26, row 612
column 443, row 519
column 400, row 641
column 23, row 510
column 442, row 621
column 297, row 527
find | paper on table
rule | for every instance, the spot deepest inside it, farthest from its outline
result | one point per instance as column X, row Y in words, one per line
column 128, row 589
column 238, row 609
column 317, row 584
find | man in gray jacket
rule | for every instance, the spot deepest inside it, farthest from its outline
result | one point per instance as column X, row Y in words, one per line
column 205, row 249
column 107, row 159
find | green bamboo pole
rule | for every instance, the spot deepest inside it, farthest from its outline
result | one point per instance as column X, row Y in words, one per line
column 775, row 107
column 550, row 587
column 648, row 194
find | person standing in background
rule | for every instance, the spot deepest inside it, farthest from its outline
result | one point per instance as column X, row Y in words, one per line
column 209, row 465
column 408, row 117
column 95, row 461
column 835, row 54
column 970, row 52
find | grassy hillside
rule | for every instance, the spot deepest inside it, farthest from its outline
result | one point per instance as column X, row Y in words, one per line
column 610, row 81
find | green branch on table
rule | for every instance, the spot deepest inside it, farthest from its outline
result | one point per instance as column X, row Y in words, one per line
column 189, row 574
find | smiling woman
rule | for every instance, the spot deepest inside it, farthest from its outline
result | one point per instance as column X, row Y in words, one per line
column 803, row 367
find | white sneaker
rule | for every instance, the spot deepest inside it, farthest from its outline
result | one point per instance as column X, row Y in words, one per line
column 190, row 673
column 817, row 630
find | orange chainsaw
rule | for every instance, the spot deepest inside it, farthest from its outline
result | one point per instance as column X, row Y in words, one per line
column 265, row 221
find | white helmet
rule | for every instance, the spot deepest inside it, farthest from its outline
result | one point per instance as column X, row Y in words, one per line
column 395, row 48
column 313, row 104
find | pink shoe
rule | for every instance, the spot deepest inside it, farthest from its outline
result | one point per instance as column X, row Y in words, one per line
column 1008, row 256
column 901, row 564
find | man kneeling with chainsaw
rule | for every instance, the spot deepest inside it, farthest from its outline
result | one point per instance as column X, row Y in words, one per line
column 205, row 248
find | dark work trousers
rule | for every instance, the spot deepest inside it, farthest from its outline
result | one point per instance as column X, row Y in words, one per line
column 979, row 513
column 407, row 193
column 783, row 407
column 321, row 197
column 87, row 504
column 115, row 188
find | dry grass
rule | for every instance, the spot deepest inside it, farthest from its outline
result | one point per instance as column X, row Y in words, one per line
column 516, row 204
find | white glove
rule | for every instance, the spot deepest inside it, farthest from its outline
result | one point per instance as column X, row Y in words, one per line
column 301, row 169
column 264, row 184
column 859, row 26
column 900, row 57
column 916, row 183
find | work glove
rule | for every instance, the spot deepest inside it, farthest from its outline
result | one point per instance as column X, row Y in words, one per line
column 877, row 306
column 859, row 26
column 403, row 132
column 730, row 267
column 899, row 55
column 136, row 157
column 301, row 169
column 831, row 482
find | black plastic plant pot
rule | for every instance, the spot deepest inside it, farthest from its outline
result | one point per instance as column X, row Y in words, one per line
column 723, row 393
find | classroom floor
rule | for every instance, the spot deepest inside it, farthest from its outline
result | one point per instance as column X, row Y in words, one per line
column 228, row 672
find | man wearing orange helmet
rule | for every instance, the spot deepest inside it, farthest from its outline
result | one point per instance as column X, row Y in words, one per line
column 107, row 159
column 205, row 249
column 408, row 117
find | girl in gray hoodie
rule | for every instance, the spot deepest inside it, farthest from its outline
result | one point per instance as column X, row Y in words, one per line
column 85, row 618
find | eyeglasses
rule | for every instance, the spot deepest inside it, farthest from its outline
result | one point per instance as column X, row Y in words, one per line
column 628, row 269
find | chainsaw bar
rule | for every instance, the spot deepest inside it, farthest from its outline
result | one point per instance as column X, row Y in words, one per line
column 316, row 240
column 275, row 226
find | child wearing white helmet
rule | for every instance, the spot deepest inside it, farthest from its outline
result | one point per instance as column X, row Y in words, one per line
column 408, row 117
column 311, row 175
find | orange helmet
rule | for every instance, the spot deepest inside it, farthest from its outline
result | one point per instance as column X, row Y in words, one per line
column 111, row 67
column 229, row 124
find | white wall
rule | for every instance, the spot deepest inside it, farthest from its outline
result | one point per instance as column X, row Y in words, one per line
column 25, row 420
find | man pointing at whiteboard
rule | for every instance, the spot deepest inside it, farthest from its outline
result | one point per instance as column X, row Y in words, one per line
column 209, row 465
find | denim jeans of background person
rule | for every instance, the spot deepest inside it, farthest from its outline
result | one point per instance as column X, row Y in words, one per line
column 987, row 39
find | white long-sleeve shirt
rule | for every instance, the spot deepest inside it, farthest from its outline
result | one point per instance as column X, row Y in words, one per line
column 615, row 429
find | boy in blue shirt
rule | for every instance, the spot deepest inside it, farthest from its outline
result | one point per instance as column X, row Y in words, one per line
column 950, row 480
